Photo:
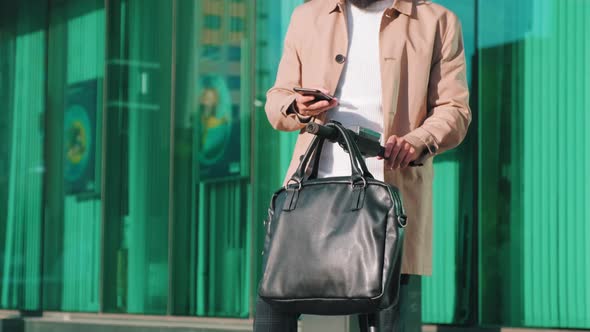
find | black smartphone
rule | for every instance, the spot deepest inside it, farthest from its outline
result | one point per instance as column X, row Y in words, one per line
column 319, row 95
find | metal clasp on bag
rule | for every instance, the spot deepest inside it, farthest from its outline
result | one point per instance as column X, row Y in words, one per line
column 292, row 195
column 402, row 220
column 296, row 181
column 353, row 184
column 358, row 194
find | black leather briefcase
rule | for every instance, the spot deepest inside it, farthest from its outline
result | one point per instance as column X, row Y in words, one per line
column 333, row 245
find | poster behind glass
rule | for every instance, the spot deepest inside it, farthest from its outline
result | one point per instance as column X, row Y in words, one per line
column 219, row 135
column 81, row 139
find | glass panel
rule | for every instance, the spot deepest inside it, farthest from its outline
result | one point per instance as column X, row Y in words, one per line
column 446, row 295
column 22, row 91
column 272, row 149
column 137, row 156
column 535, row 163
column 212, row 156
column 74, row 122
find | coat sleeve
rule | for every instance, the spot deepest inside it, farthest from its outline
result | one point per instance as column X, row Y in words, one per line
column 448, row 95
column 280, row 97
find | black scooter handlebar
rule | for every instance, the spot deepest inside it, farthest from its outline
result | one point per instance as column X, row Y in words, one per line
column 368, row 147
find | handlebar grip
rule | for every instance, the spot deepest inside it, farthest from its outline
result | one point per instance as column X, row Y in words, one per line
column 368, row 147
column 382, row 155
column 322, row 131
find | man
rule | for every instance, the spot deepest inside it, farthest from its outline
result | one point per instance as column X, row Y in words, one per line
column 394, row 66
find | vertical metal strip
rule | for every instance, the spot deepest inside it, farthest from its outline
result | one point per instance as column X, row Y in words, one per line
column 586, row 183
column 46, row 148
column 527, row 183
column 102, row 244
column 559, row 247
column 557, row 181
column 169, row 310
column 475, row 296
column 253, row 129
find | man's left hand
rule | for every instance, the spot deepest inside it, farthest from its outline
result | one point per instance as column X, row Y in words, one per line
column 399, row 152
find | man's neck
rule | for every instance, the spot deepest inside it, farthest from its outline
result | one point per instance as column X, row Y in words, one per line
column 369, row 4
column 379, row 5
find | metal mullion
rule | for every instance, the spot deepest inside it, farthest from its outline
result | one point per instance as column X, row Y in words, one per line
column 103, row 161
column 252, row 10
column 169, row 310
column 475, row 298
column 46, row 148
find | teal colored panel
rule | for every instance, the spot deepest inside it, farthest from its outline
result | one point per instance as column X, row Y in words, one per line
column 212, row 187
column 272, row 29
column 556, row 189
column 81, row 236
column 223, row 250
column 272, row 150
column 446, row 295
column 500, row 181
column 22, row 220
column 534, row 184
column 138, row 157
column 439, row 290
column 146, row 223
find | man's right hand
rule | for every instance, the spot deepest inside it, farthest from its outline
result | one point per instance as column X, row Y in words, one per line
column 308, row 107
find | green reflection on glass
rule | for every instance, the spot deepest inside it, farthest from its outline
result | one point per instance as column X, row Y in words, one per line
column 534, row 163
column 23, row 50
column 137, row 157
column 212, row 251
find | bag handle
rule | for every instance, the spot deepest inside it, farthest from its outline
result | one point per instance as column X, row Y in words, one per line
column 359, row 156
column 316, row 162
column 354, row 154
column 304, row 159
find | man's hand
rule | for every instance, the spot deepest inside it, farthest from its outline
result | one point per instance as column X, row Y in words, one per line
column 399, row 152
column 307, row 106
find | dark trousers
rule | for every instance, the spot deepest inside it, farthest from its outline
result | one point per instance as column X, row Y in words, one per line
column 402, row 317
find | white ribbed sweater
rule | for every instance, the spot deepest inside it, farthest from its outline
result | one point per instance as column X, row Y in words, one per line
column 359, row 89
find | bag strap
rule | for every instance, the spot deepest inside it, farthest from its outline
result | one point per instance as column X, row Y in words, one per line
column 316, row 162
column 358, row 156
column 357, row 174
column 317, row 156
column 299, row 174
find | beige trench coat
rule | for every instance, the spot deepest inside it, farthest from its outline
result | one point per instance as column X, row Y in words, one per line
column 425, row 94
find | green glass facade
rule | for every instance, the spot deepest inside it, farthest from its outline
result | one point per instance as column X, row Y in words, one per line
column 534, row 147
column 448, row 296
column 72, row 224
column 137, row 164
column 23, row 96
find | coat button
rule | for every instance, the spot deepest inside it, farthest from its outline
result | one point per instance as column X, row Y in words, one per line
column 340, row 58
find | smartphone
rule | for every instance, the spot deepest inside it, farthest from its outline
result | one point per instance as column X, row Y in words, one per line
column 319, row 95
